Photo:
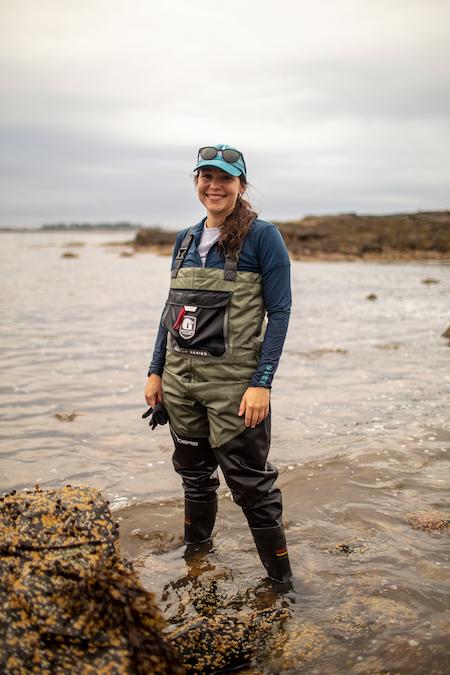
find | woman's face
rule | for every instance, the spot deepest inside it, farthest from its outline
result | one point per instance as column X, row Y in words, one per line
column 218, row 190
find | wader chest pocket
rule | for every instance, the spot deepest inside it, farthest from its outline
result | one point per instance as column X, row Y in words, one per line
column 197, row 321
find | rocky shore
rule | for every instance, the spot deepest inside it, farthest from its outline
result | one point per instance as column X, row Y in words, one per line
column 70, row 602
column 405, row 236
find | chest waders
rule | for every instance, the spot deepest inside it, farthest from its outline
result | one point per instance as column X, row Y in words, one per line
column 215, row 323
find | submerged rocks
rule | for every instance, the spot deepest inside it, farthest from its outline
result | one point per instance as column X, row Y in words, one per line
column 66, row 416
column 429, row 521
column 214, row 643
column 350, row 548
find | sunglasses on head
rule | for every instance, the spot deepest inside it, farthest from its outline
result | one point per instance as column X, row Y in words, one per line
column 228, row 154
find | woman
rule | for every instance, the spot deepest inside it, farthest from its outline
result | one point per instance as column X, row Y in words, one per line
column 214, row 362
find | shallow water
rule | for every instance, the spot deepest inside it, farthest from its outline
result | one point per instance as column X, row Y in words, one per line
column 361, row 434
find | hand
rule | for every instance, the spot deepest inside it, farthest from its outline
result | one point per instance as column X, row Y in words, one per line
column 153, row 390
column 255, row 405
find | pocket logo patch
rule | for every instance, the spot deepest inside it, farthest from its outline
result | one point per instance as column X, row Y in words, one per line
column 188, row 326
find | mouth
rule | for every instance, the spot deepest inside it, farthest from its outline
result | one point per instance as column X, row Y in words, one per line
column 215, row 197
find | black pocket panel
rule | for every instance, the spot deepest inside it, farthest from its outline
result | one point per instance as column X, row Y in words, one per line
column 197, row 320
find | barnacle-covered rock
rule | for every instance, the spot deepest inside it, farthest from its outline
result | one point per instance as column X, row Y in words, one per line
column 429, row 521
column 213, row 644
column 68, row 602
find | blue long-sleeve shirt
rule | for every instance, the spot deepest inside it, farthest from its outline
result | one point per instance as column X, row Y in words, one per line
column 264, row 252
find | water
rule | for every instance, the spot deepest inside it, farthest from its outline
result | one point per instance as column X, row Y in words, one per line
column 361, row 434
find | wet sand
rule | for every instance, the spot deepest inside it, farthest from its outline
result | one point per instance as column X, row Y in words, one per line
column 361, row 436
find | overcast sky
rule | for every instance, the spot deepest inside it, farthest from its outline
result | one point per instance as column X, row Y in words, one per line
column 337, row 105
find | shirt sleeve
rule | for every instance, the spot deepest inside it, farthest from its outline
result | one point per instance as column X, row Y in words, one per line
column 276, row 279
column 159, row 351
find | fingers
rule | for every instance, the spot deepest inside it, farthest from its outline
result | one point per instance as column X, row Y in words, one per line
column 153, row 394
column 254, row 415
column 242, row 406
column 151, row 400
column 255, row 405
column 153, row 397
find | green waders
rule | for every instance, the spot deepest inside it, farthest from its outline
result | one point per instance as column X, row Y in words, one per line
column 215, row 320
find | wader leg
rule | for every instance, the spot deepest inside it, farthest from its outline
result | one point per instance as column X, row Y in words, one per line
column 195, row 461
column 251, row 479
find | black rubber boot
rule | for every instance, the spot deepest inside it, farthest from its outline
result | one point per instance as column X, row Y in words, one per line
column 199, row 519
column 271, row 545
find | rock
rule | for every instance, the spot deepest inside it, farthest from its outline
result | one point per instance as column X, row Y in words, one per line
column 66, row 416
column 347, row 236
column 350, row 548
column 215, row 643
column 401, row 236
column 446, row 333
column 315, row 354
column 429, row 521
column 126, row 254
column 154, row 236
column 371, row 296
column 69, row 254
column 75, row 244
column 430, row 280
column 68, row 602
column 390, row 346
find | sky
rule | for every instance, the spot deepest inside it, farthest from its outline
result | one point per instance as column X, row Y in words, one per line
column 337, row 106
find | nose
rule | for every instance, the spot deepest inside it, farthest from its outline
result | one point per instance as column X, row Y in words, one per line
column 216, row 182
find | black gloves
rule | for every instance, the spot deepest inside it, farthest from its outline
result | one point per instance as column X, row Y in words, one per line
column 158, row 415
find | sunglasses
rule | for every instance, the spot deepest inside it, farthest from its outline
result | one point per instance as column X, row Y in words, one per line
column 228, row 154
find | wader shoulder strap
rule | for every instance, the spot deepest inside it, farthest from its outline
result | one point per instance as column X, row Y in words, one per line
column 230, row 269
column 182, row 251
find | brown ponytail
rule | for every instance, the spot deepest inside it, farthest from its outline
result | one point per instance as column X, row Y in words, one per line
column 236, row 226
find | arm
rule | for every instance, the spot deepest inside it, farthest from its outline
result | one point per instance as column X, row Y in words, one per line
column 277, row 298
column 153, row 388
column 275, row 270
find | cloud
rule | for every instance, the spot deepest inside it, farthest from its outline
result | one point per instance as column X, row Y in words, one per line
column 338, row 106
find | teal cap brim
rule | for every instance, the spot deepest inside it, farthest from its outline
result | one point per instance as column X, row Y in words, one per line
column 235, row 169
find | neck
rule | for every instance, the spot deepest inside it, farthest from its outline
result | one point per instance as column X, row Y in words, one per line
column 214, row 221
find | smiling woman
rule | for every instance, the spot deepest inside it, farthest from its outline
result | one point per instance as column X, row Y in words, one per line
column 213, row 362
column 218, row 191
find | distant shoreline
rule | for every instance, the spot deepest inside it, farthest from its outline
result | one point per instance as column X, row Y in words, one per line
column 422, row 236
column 107, row 227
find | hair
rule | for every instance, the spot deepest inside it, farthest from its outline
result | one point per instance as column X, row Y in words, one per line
column 236, row 225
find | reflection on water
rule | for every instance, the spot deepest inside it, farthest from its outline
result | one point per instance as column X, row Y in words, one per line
column 361, row 435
